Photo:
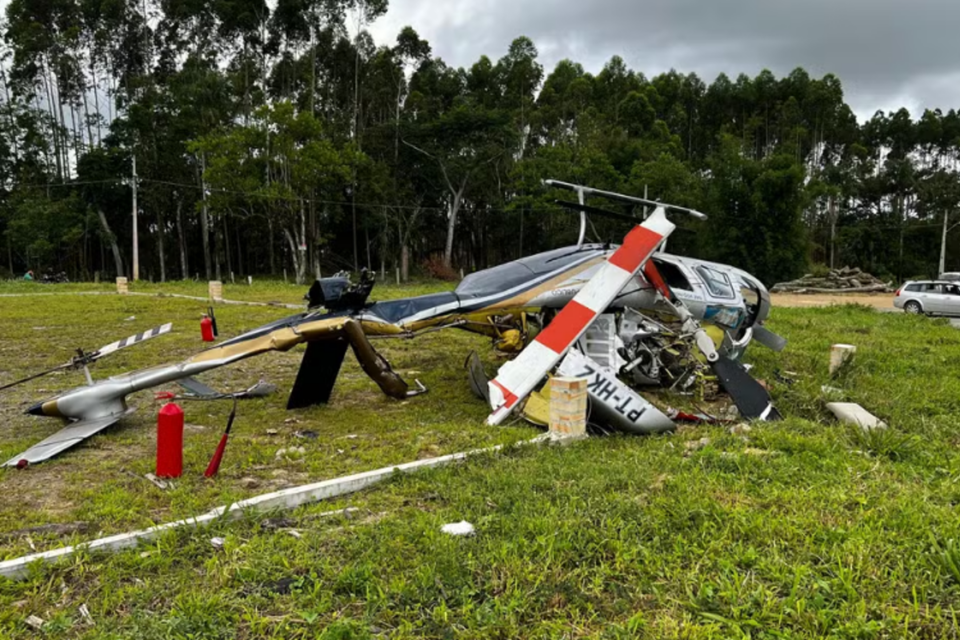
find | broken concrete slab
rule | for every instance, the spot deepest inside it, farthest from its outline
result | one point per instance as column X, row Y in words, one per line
column 852, row 413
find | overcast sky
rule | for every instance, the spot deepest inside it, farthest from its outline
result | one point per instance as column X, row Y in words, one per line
column 888, row 53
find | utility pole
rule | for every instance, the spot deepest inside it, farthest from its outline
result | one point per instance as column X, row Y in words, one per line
column 136, row 241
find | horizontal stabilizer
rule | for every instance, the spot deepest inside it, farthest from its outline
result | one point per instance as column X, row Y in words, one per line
column 199, row 389
column 74, row 433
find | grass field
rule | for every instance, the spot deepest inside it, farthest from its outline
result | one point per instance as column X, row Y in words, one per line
column 801, row 529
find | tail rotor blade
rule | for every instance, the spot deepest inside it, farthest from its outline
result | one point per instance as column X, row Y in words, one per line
column 132, row 340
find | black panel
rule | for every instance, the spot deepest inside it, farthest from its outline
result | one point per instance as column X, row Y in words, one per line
column 397, row 310
column 749, row 395
column 318, row 373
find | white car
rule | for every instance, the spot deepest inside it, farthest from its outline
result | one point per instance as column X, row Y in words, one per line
column 931, row 297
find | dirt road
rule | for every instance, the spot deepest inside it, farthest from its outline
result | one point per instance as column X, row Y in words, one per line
column 878, row 300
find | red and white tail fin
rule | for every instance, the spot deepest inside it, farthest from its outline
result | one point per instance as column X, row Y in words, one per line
column 518, row 378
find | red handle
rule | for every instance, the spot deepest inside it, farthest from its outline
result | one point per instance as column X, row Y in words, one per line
column 214, row 465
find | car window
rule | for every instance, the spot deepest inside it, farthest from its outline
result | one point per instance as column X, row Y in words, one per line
column 951, row 290
column 913, row 288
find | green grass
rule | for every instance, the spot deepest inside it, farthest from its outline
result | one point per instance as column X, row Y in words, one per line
column 804, row 530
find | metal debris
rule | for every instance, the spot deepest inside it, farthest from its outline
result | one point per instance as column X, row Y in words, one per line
column 462, row 528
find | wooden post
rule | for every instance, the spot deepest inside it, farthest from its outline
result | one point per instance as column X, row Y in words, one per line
column 122, row 286
column 568, row 407
column 216, row 291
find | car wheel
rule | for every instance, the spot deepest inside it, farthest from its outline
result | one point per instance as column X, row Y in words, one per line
column 913, row 307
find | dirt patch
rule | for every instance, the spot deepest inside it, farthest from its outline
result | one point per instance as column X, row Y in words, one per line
column 876, row 300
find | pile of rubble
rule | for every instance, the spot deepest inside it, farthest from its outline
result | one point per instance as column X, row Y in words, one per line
column 844, row 280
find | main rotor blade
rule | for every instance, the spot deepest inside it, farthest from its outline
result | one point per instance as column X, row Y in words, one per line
column 596, row 211
column 610, row 195
column 132, row 340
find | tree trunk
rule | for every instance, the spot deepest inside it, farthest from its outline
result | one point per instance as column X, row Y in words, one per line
column 833, row 231
column 452, row 225
column 184, row 267
column 216, row 249
column 299, row 264
column 272, row 251
column 204, row 220
column 236, row 232
column 161, row 232
column 226, row 245
column 117, row 259
column 943, row 246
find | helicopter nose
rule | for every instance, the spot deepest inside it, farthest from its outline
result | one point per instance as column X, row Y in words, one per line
column 36, row 410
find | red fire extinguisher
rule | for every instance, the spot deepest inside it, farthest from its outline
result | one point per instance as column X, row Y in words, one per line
column 206, row 328
column 170, row 441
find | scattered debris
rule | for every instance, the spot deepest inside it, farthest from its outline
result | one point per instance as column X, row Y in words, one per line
column 695, row 445
column 462, row 528
column 146, row 554
column 249, row 483
column 293, row 532
column 291, row 453
column 163, row 484
column 54, row 529
column 35, row 622
column 309, row 435
column 851, row 413
column 85, row 614
column 740, row 429
column 272, row 432
column 844, row 280
column 217, row 543
column 277, row 524
column 840, row 356
column 131, row 319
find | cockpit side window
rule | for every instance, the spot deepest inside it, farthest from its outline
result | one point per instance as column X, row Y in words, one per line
column 672, row 275
column 717, row 282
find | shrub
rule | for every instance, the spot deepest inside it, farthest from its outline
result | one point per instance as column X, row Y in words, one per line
column 434, row 268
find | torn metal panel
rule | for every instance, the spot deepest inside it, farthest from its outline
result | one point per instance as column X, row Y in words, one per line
column 613, row 402
column 851, row 413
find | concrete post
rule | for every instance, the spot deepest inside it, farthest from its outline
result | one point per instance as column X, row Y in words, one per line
column 216, row 291
column 122, row 286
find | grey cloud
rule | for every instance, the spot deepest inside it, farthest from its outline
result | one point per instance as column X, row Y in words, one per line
column 888, row 53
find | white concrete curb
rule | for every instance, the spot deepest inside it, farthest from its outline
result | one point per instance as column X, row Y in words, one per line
column 18, row 568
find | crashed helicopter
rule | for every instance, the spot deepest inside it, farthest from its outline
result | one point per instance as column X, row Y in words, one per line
column 613, row 314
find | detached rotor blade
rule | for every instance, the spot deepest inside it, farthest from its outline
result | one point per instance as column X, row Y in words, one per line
column 132, row 340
